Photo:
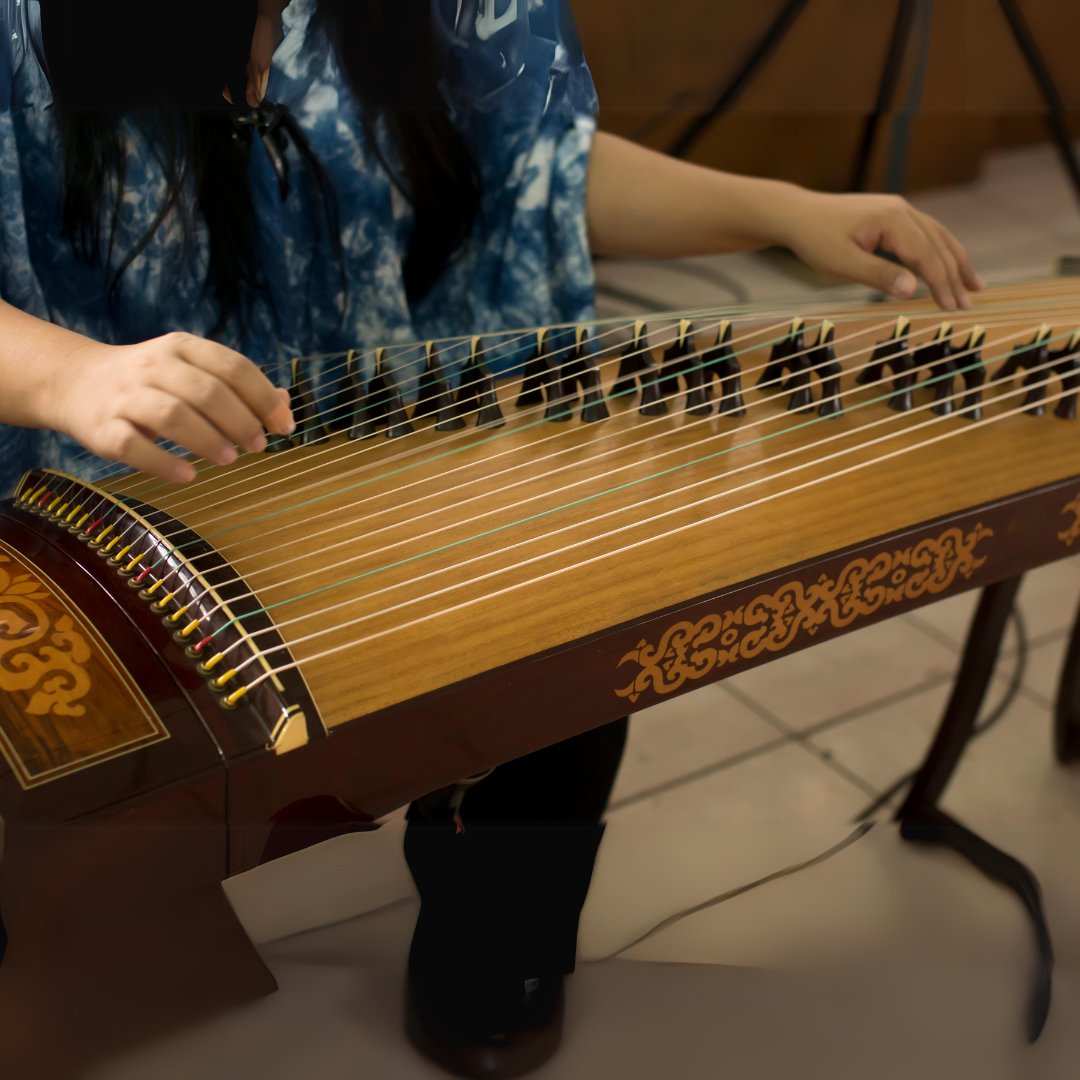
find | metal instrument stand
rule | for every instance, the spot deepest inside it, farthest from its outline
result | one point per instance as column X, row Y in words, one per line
column 1056, row 117
column 921, row 819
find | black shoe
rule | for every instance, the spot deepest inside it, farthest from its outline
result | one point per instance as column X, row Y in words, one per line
column 500, row 1029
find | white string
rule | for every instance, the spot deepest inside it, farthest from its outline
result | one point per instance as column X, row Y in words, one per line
column 548, row 493
column 975, row 425
column 737, row 313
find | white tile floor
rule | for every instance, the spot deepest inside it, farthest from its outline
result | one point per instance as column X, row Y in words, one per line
column 885, row 961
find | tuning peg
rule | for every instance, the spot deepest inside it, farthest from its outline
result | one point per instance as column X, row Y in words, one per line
column 385, row 406
column 587, row 374
column 893, row 354
column 937, row 355
column 1067, row 369
column 969, row 363
column 682, row 359
column 823, row 363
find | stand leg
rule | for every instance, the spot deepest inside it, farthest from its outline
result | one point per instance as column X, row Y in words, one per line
column 921, row 819
column 1056, row 116
column 773, row 36
column 890, row 76
column 1067, row 707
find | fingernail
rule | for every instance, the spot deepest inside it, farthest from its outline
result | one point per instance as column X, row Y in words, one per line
column 281, row 420
column 228, row 455
column 980, row 281
column 905, row 284
column 184, row 473
column 965, row 300
column 258, row 444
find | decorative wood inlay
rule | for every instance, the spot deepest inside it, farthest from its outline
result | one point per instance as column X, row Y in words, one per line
column 66, row 701
column 771, row 622
column 1073, row 531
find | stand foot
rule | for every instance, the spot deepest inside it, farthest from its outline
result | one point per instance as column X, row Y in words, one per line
column 921, row 819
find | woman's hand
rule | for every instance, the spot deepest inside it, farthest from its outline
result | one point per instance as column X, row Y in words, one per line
column 117, row 400
column 641, row 204
column 840, row 233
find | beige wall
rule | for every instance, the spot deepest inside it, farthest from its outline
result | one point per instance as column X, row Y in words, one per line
column 801, row 117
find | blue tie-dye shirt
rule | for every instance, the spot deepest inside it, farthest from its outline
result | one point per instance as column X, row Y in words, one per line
column 520, row 92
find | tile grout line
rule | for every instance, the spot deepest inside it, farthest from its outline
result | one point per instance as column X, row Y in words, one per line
column 699, row 774
column 805, row 736
column 803, row 740
column 759, row 751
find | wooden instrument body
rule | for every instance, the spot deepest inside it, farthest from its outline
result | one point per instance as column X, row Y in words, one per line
column 479, row 624
column 453, row 601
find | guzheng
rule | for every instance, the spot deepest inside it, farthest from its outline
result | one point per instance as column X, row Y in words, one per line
column 444, row 570
column 403, row 595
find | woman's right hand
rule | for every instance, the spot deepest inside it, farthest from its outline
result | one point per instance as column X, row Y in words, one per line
column 118, row 399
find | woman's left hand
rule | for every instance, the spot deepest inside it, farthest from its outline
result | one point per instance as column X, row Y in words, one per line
column 645, row 205
column 840, row 234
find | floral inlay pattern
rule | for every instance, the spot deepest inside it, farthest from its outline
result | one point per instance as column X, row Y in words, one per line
column 37, row 657
column 1073, row 531
column 773, row 621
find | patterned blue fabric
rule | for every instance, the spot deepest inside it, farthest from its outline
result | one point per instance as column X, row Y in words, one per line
column 520, row 93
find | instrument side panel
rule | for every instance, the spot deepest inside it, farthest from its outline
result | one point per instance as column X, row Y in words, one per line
column 90, row 716
column 381, row 761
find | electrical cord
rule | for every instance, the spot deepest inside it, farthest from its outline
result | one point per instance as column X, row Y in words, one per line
column 671, row 920
column 980, row 729
column 739, row 294
column 863, row 826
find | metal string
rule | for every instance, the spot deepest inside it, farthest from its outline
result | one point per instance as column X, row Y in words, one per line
column 628, row 547
column 589, row 479
column 619, row 510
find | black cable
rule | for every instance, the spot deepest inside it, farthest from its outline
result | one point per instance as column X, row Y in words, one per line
column 714, row 277
column 980, row 729
column 896, row 175
column 634, row 299
column 773, row 36
column 817, row 860
column 702, row 273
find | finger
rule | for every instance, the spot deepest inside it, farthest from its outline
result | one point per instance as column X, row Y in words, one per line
column 936, row 234
column 167, row 416
column 909, row 243
column 971, row 278
column 213, row 400
column 249, row 384
column 119, row 440
column 858, row 264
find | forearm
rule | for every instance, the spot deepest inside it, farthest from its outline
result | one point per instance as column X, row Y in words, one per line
column 118, row 401
column 643, row 204
column 33, row 357
column 646, row 205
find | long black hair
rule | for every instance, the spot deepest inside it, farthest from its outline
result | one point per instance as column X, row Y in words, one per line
column 164, row 67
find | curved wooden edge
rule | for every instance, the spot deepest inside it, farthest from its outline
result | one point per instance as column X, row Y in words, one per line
column 280, row 714
column 183, row 753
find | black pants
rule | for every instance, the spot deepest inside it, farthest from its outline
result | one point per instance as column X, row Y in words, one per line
column 501, row 898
